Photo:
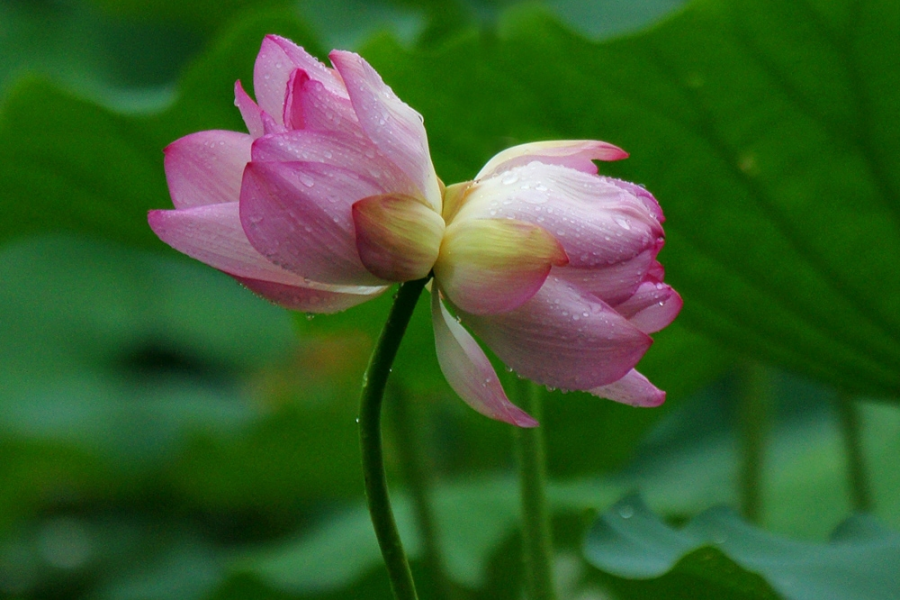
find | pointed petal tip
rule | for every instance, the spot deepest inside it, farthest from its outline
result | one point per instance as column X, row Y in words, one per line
column 633, row 389
column 525, row 421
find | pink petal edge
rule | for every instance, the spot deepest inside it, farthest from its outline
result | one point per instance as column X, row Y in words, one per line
column 468, row 370
column 633, row 389
column 575, row 154
column 206, row 167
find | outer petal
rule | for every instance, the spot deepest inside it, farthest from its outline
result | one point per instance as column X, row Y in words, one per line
column 398, row 237
column 339, row 149
column 633, row 389
column 394, row 127
column 307, row 299
column 468, row 370
column 575, row 154
column 298, row 216
column 277, row 59
column 597, row 222
column 213, row 234
column 492, row 265
column 653, row 306
column 563, row 338
column 206, row 167
column 250, row 112
column 614, row 283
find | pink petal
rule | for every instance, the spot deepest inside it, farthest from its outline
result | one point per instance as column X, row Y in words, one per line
column 633, row 389
column 298, row 215
column 394, row 127
column 326, row 111
column 653, row 306
column 339, row 149
column 307, row 299
column 398, row 237
column 597, row 222
column 611, row 283
column 468, row 370
column 575, row 154
column 277, row 59
column 206, row 167
column 250, row 112
column 293, row 106
column 563, row 337
column 640, row 192
column 495, row 265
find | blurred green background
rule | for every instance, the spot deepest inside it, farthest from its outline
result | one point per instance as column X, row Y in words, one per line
column 164, row 434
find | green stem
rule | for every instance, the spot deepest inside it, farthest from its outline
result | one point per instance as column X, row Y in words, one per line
column 851, row 430
column 374, row 383
column 755, row 397
column 416, row 466
column 536, row 533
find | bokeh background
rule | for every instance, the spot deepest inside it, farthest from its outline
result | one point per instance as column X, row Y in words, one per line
column 166, row 435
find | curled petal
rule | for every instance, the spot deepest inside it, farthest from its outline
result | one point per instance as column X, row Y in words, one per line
column 563, row 337
column 653, row 306
column 338, row 149
column 394, row 127
column 468, row 370
column 250, row 112
column 277, row 59
column 323, row 110
column 308, row 299
column 293, row 106
column 598, row 222
column 206, row 167
column 575, row 154
column 633, row 389
column 298, row 215
column 398, row 237
column 491, row 265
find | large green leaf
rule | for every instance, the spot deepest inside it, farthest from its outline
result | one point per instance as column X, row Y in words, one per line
column 767, row 130
column 737, row 560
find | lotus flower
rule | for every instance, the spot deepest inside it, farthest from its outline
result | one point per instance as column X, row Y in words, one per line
column 332, row 197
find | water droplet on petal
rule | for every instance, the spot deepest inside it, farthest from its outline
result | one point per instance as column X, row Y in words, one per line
column 623, row 222
column 307, row 180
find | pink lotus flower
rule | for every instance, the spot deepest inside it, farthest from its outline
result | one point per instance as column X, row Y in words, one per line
column 332, row 197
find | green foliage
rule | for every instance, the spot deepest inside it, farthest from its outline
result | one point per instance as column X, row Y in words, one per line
column 731, row 559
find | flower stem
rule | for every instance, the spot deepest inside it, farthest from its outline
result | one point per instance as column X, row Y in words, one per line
column 753, row 415
column 537, row 539
column 850, row 428
column 416, row 466
column 374, row 383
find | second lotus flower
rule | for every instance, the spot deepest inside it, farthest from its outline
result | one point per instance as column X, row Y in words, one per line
column 332, row 197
